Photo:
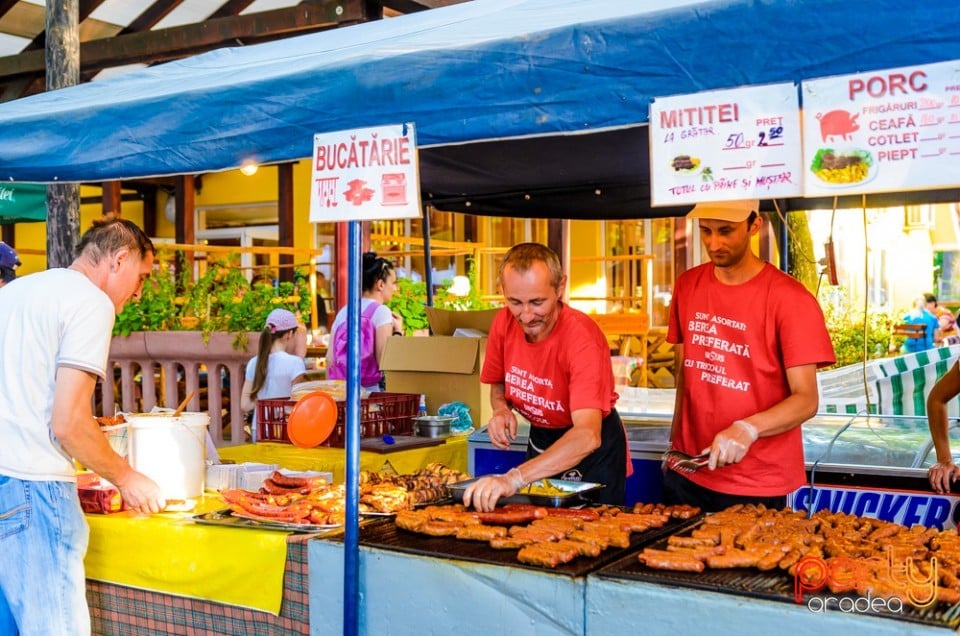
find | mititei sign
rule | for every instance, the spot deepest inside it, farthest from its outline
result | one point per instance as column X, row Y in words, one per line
column 365, row 173
column 740, row 143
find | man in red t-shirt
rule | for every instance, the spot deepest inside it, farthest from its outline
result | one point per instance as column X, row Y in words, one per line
column 551, row 363
column 749, row 339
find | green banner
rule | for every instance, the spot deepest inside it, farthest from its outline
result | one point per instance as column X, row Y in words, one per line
column 22, row 202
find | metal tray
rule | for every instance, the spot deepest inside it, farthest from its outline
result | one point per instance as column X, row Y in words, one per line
column 572, row 495
column 236, row 520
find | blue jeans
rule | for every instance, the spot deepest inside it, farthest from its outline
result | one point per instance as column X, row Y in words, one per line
column 43, row 539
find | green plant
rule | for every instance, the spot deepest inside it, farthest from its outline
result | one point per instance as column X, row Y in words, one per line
column 444, row 299
column 219, row 300
column 845, row 323
column 410, row 298
column 408, row 301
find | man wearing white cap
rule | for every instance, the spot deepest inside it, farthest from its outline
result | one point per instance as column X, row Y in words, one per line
column 749, row 339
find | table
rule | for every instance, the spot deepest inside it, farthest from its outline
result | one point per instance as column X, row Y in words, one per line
column 121, row 610
column 154, row 574
column 468, row 598
column 163, row 574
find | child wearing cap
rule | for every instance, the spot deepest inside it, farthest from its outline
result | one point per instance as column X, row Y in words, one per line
column 9, row 262
column 278, row 364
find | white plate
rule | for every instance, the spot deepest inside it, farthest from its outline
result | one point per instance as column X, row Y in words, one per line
column 871, row 173
column 692, row 172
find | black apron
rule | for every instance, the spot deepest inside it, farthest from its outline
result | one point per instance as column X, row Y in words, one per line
column 607, row 465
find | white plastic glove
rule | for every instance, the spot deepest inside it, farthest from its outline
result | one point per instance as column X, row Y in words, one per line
column 484, row 493
column 731, row 444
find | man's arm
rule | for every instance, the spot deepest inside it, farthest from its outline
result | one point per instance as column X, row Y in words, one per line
column 568, row 451
column 944, row 471
column 502, row 427
column 795, row 409
column 74, row 426
column 732, row 443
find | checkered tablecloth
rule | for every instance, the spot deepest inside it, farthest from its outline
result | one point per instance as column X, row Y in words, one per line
column 117, row 610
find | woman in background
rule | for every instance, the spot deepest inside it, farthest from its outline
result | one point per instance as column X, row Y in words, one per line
column 278, row 364
column 379, row 282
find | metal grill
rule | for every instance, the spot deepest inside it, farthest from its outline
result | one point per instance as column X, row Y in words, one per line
column 387, row 536
column 774, row 585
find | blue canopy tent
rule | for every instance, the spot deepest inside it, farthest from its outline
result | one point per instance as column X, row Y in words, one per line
column 523, row 107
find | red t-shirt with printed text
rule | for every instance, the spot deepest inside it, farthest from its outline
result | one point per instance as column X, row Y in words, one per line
column 546, row 381
column 738, row 341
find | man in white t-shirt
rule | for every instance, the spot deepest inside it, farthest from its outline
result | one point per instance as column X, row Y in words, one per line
column 55, row 331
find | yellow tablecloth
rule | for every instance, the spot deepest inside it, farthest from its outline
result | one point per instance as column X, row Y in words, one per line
column 452, row 454
column 171, row 554
column 239, row 566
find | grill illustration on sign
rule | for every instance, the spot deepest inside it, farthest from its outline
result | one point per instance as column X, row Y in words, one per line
column 393, row 185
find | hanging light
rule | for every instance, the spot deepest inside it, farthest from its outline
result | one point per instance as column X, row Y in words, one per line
column 249, row 167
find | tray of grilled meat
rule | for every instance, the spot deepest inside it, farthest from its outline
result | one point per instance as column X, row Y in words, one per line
column 764, row 553
column 571, row 541
column 233, row 519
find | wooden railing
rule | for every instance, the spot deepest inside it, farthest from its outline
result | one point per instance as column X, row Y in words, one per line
column 161, row 368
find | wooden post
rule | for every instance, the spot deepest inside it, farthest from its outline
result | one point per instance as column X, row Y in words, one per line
column 62, row 56
column 184, row 224
column 111, row 198
column 285, row 217
column 149, row 199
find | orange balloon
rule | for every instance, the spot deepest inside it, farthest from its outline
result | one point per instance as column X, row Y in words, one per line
column 312, row 419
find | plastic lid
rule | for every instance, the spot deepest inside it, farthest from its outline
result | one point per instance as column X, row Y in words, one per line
column 312, row 419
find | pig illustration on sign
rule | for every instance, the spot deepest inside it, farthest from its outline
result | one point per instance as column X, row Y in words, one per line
column 837, row 122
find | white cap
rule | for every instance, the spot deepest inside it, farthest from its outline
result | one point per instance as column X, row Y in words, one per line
column 732, row 211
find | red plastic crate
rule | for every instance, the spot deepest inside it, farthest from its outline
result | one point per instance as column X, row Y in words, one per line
column 380, row 414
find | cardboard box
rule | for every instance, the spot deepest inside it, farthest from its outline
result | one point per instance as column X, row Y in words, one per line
column 444, row 367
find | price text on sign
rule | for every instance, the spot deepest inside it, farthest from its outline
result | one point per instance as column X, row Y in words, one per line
column 890, row 130
column 368, row 173
column 722, row 145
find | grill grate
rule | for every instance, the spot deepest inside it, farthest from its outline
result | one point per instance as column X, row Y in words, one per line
column 774, row 585
column 387, row 535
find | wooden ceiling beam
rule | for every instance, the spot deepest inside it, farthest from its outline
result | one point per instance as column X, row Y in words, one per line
column 405, row 6
column 86, row 8
column 412, row 6
column 229, row 8
column 6, row 5
column 149, row 18
column 176, row 42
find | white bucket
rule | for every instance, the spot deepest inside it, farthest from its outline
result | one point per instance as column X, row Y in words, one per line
column 171, row 451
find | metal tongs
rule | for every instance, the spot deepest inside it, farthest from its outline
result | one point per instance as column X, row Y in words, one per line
column 683, row 462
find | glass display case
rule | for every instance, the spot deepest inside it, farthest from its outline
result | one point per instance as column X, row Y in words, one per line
column 868, row 465
column 875, row 441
